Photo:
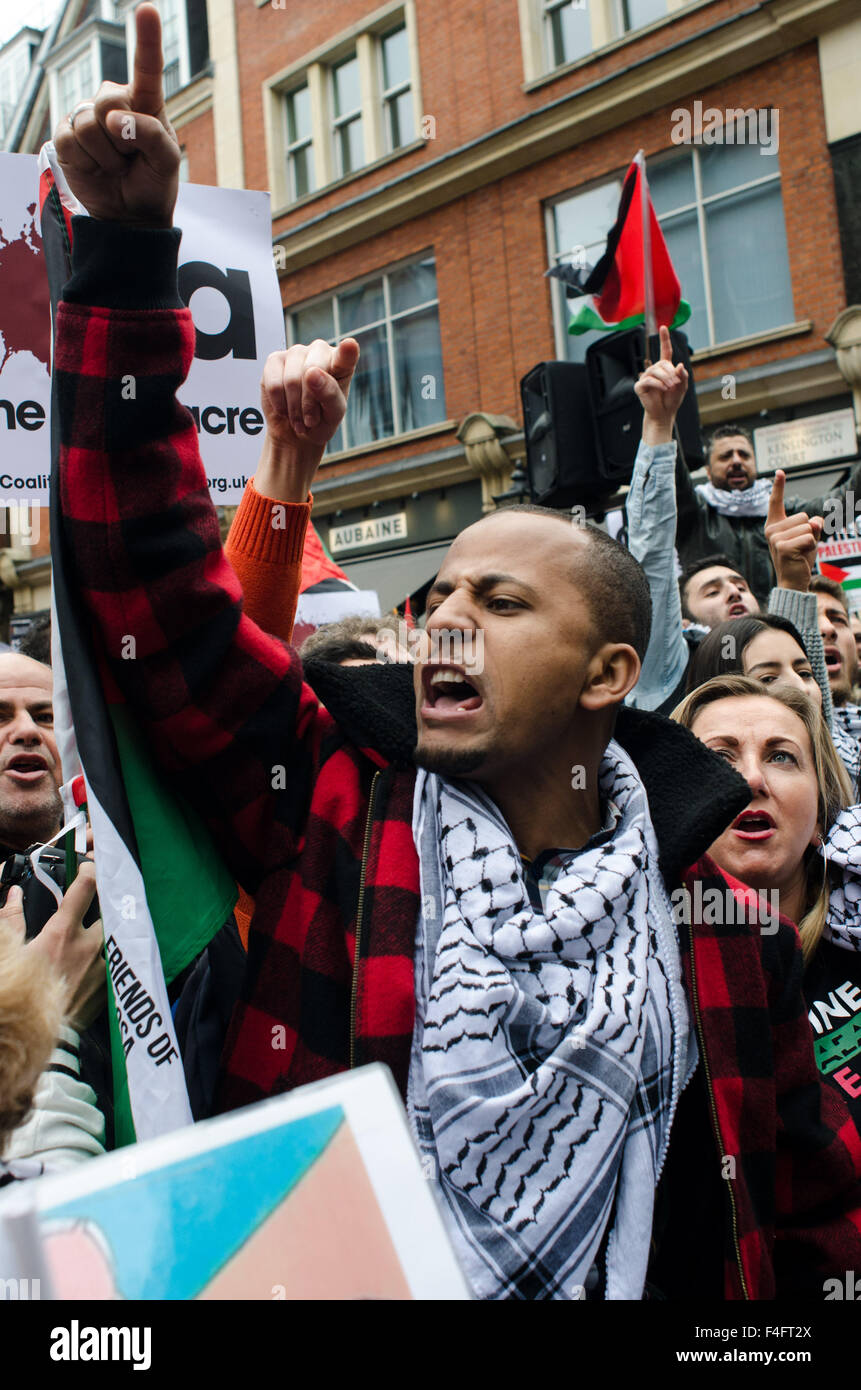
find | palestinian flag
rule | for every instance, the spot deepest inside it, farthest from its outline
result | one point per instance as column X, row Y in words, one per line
column 326, row 595
column 162, row 890
column 634, row 269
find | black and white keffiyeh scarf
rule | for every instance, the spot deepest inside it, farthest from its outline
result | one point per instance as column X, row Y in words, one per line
column 749, row 501
column 842, row 852
column 549, row 1049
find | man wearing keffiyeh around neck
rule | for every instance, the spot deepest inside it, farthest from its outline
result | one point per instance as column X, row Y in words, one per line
column 726, row 514
column 465, row 872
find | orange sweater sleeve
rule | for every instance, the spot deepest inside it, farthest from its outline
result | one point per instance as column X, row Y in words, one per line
column 264, row 546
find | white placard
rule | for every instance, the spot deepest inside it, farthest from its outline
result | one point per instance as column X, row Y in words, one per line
column 226, row 251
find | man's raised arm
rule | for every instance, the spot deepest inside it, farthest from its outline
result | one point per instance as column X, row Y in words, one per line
column 222, row 703
column 651, row 513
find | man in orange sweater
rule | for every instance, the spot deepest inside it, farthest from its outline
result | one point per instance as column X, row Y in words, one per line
column 267, row 537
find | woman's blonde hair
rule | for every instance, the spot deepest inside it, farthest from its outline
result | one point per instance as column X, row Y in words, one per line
column 832, row 779
column 32, row 1000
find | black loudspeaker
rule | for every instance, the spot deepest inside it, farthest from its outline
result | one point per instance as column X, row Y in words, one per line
column 561, row 455
column 613, row 365
column 583, row 423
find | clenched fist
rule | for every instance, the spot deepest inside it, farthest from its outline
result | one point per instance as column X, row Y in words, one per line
column 792, row 540
column 661, row 389
column 119, row 152
column 304, row 397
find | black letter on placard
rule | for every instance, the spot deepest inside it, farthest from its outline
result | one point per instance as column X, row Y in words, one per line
column 238, row 337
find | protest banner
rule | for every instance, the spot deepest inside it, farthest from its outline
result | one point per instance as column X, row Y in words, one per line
column 226, row 277
column 315, row 1195
column 839, row 558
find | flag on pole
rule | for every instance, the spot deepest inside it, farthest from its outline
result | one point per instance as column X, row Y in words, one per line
column 634, row 280
column 163, row 891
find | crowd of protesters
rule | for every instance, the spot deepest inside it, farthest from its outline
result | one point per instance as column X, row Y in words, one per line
column 595, row 945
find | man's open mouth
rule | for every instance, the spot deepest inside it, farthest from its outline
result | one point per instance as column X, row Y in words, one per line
column 448, row 693
column 754, row 825
column 833, row 661
column 737, row 610
column 26, row 767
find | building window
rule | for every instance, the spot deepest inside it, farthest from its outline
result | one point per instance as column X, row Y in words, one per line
column 398, row 111
column 75, row 82
column 721, row 213
column 300, row 149
column 344, row 107
column 394, row 316
column 567, row 31
column 636, row 14
column 347, row 110
column 171, row 45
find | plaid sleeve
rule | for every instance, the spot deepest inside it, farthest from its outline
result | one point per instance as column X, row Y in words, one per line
column 818, row 1169
column 224, row 706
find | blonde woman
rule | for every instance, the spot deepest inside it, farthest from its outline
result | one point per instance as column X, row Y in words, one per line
column 798, row 838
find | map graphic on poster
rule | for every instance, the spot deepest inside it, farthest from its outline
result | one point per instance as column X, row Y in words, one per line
column 24, row 327
column 317, row 1194
column 25, row 335
column 226, row 277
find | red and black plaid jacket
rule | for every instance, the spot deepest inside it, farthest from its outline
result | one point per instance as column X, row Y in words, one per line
column 312, row 810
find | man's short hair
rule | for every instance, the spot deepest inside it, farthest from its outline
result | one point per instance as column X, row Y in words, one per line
column 36, row 642
column 726, row 432
column 612, row 582
column 343, row 640
column 821, row 584
column 705, row 562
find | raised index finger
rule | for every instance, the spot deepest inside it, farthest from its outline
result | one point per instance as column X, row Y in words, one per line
column 146, row 93
column 666, row 344
column 776, row 510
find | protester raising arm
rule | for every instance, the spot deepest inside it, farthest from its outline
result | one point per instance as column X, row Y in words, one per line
column 792, row 542
column 222, row 703
column 651, row 512
column 267, row 558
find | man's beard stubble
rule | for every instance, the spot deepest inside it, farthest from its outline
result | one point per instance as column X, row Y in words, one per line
column 21, row 827
column 449, row 762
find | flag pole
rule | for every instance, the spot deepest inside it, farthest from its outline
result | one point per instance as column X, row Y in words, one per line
column 651, row 323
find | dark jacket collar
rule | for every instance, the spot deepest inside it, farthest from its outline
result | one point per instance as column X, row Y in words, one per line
column 693, row 794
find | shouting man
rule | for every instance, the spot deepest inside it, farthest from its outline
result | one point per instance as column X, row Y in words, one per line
column 465, row 873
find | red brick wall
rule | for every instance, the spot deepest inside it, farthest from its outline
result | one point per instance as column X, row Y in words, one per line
column 491, row 252
column 471, row 68
column 197, row 138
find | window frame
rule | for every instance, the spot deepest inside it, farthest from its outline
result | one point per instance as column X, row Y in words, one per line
column 391, row 94
column 700, row 205
column 388, row 319
column 295, row 147
column 339, row 123
column 316, row 69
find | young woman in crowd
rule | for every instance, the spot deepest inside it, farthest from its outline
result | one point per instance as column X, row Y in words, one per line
column 765, row 646
column 770, row 648
column 799, row 837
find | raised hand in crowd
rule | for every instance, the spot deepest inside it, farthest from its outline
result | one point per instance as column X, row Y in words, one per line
column 119, row 152
column 661, row 389
column 304, row 399
column 75, row 950
column 792, row 540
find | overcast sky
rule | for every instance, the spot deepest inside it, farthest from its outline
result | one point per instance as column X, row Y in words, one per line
column 15, row 14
